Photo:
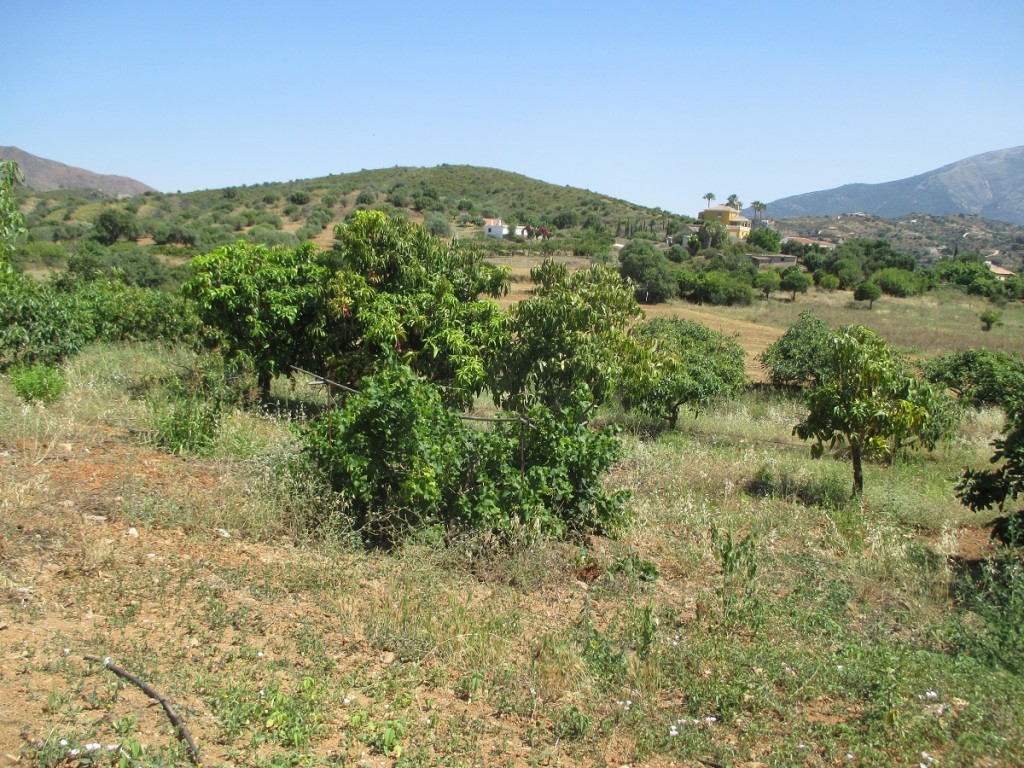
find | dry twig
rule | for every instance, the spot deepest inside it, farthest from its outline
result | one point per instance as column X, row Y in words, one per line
column 179, row 726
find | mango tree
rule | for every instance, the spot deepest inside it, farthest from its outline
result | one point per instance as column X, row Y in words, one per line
column 400, row 295
column 866, row 400
column 692, row 366
column 266, row 304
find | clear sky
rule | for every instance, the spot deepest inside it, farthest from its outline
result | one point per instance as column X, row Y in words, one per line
column 653, row 102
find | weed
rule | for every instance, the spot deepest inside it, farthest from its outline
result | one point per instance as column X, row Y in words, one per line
column 38, row 383
column 738, row 590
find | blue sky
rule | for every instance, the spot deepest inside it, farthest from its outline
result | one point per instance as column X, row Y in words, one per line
column 652, row 102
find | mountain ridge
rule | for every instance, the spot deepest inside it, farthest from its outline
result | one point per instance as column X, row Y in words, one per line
column 990, row 185
column 48, row 175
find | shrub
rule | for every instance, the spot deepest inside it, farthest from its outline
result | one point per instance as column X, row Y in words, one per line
column 694, row 366
column 299, row 197
column 798, row 357
column 367, row 197
column 437, row 224
column 721, row 288
column 38, row 383
column 978, row 376
column 37, row 322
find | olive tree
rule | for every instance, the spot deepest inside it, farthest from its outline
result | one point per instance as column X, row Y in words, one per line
column 866, row 400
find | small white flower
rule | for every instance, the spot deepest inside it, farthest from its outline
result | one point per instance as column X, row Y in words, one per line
column 710, row 720
column 92, row 747
column 259, row 654
column 74, row 752
column 849, row 756
column 63, row 742
column 801, row 746
column 67, row 651
column 106, row 661
column 931, row 695
column 346, row 701
column 840, row 667
column 673, row 731
column 112, row 747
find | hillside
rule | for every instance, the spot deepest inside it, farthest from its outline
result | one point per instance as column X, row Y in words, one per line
column 990, row 185
column 47, row 175
column 925, row 236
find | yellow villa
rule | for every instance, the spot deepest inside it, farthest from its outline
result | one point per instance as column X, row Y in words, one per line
column 736, row 224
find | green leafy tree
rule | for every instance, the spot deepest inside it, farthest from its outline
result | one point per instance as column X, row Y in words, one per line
column 399, row 294
column 644, row 265
column 712, row 234
column 12, row 222
column 572, row 332
column 798, row 357
column 113, row 224
column 869, row 292
column 989, row 318
column 767, row 281
column 978, row 377
column 866, row 400
column 795, row 280
column 766, row 239
column 267, row 304
column 691, row 366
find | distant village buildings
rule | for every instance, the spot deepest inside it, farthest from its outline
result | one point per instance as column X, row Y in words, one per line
column 737, row 226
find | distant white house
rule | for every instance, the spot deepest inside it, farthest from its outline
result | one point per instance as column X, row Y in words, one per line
column 499, row 229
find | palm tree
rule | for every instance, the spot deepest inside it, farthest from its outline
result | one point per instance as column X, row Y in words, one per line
column 734, row 202
column 709, row 196
column 759, row 208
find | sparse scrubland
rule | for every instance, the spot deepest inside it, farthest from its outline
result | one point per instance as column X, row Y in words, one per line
column 640, row 563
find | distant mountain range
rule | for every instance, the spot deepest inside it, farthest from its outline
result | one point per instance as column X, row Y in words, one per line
column 990, row 185
column 47, row 175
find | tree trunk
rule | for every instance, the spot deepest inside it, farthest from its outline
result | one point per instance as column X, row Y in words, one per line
column 858, row 471
column 264, row 384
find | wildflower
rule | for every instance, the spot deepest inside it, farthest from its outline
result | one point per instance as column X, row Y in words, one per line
column 259, row 654
column 74, row 752
column 710, row 720
column 92, row 747
column 63, row 742
column 850, row 757
column 673, row 731
column 67, row 651
column 931, row 695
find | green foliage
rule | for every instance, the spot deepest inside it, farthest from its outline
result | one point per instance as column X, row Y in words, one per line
column 641, row 263
column 37, row 322
column 989, row 318
column 113, row 224
column 38, row 383
column 400, row 294
column 405, row 462
column 978, row 376
column 367, row 197
column 571, row 332
column 796, row 281
column 545, row 477
column 12, row 222
column 566, row 219
column 721, row 288
column 767, row 281
column 394, row 451
column 712, row 234
column 829, row 283
column 869, row 292
column 898, row 282
column 693, row 366
column 299, row 197
column 266, row 304
column 738, row 590
column 996, row 597
column 866, row 400
column 765, row 239
column 984, row 489
column 437, row 224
